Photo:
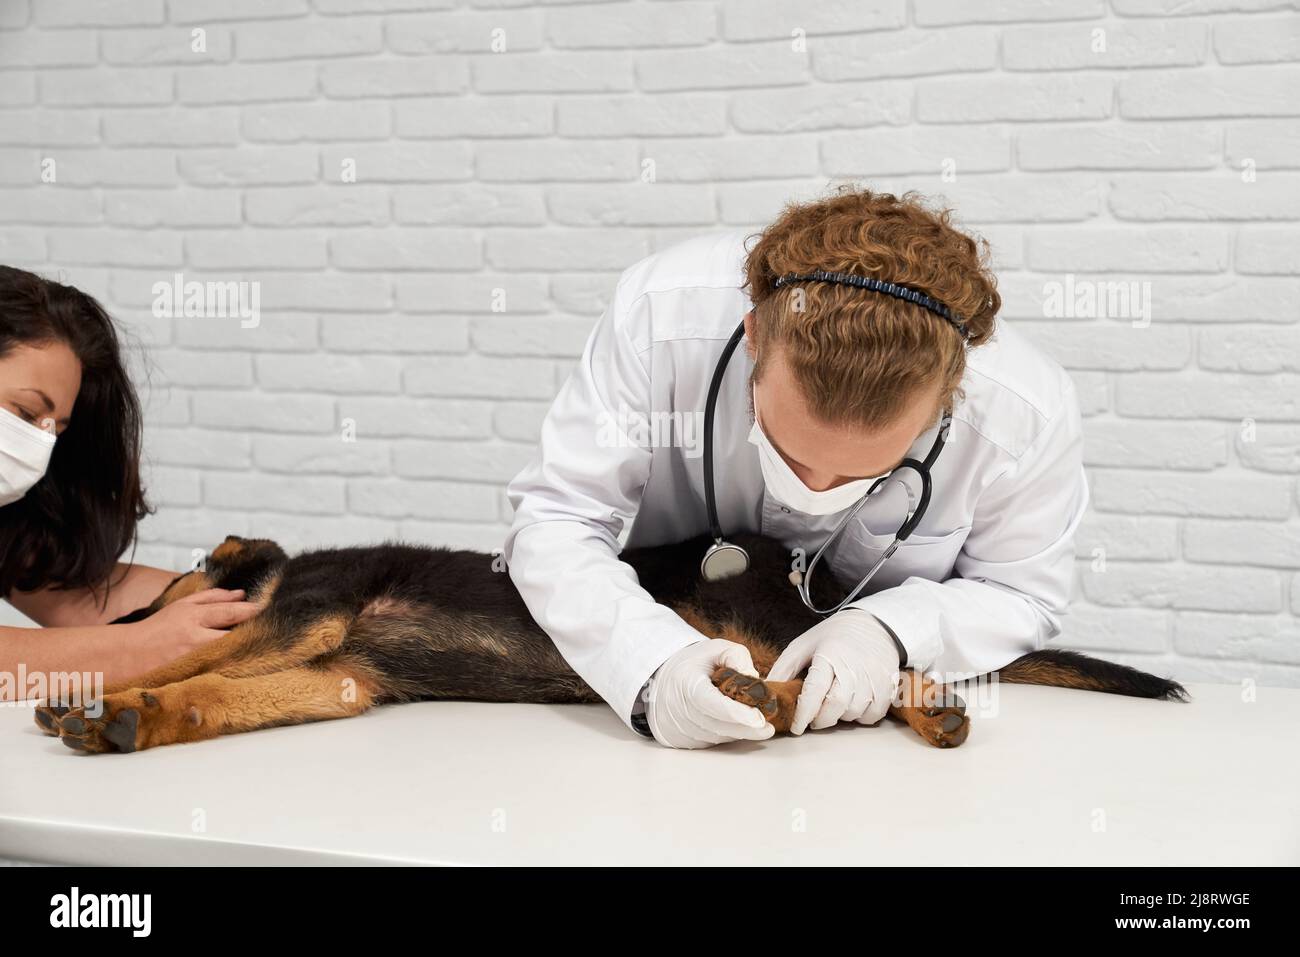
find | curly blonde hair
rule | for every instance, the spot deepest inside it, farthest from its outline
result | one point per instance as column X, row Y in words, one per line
column 860, row 357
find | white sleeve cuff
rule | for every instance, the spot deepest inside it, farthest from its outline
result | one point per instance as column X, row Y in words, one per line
column 896, row 609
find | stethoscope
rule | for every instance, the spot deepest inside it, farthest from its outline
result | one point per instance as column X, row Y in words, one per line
column 725, row 560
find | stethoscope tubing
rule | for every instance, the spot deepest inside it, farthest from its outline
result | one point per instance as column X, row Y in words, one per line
column 710, row 405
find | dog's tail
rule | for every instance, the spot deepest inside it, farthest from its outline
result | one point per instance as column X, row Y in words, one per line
column 1069, row 669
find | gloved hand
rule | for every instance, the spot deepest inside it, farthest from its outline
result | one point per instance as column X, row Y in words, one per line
column 686, row 710
column 853, row 672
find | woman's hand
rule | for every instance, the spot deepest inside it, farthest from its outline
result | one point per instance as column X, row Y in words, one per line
column 189, row 623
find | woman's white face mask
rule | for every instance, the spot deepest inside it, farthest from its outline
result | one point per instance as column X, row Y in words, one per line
column 788, row 489
column 24, row 456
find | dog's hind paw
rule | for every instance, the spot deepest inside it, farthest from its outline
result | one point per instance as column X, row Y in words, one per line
column 942, row 727
column 775, row 699
column 932, row 711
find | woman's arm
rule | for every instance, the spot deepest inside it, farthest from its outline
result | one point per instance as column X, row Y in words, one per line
column 112, row 653
column 134, row 586
column 31, row 658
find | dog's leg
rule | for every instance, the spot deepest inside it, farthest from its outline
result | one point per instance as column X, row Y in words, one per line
column 209, row 705
column 256, row 647
column 204, row 658
column 315, row 640
column 931, row 710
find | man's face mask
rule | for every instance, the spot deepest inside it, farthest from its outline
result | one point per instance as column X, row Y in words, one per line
column 788, row 489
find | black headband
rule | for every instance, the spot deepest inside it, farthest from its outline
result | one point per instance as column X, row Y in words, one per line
column 877, row 285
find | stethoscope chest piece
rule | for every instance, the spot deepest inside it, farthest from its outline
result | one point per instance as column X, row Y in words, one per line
column 722, row 561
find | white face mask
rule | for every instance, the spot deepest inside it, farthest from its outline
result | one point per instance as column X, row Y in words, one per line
column 788, row 489
column 24, row 456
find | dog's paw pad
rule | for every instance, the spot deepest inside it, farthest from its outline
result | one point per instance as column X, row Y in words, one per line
column 120, row 732
column 113, row 730
column 948, row 730
column 47, row 719
column 746, row 689
column 71, row 724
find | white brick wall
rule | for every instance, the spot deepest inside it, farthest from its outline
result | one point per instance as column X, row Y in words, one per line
column 1147, row 140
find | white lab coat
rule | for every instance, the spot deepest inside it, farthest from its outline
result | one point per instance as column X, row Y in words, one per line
column 983, row 580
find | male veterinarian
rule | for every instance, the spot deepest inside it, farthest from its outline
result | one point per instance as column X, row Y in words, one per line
column 869, row 322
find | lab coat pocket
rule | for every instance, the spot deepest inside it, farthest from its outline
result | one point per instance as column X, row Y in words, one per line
column 925, row 556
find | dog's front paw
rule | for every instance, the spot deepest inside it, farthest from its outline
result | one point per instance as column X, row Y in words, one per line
column 120, row 724
column 131, row 721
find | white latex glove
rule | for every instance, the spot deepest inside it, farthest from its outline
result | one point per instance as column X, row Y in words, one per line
column 852, row 667
column 686, row 710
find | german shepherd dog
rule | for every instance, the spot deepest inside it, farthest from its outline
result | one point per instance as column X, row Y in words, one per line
column 342, row 630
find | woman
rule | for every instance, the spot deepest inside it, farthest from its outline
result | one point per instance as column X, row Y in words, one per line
column 70, row 498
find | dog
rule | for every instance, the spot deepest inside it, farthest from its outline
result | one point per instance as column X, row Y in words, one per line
column 345, row 629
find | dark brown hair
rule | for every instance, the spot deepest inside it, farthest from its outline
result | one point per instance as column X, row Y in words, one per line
column 70, row 528
column 858, row 356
